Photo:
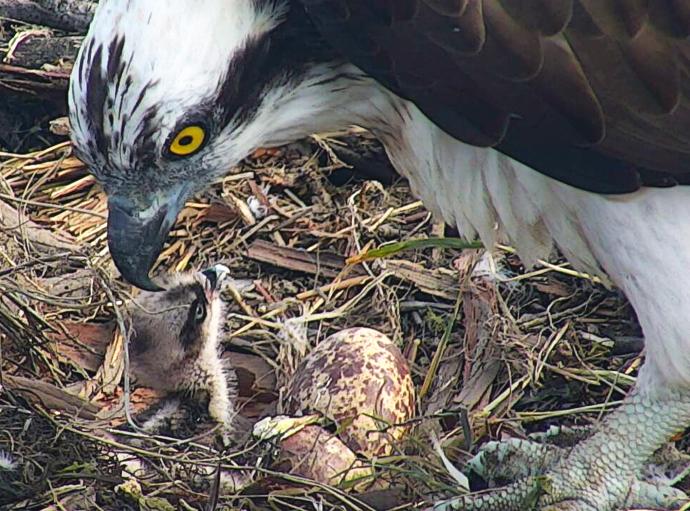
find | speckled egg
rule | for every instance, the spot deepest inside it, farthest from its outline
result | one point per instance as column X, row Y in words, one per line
column 317, row 454
column 358, row 378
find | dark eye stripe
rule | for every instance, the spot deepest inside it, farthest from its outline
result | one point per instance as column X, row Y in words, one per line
column 192, row 327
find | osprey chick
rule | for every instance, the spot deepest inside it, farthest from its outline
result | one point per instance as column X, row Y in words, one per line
column 174, row 345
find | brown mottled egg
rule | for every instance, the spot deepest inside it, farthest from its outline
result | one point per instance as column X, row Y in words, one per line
column 358, row 378
column 317, row 454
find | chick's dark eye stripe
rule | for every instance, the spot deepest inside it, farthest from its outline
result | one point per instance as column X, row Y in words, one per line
column 190, row 329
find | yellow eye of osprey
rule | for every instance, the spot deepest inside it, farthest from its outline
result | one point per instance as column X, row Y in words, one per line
column 187, row 141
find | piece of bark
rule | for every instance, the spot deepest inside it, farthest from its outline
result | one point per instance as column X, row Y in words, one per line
column 77, row 285
column 476, row 387
column 11, row 220
column 256, row 378
column 67, row 15
column 218, row 212
column 315, row 263
column 433, row 282
column 35, row 63
column 84, row 343
column 111, row 370
column 481, row 313
column 50, row 397
column 37, row 49
column 140, row 400
column 448, row 377
column 49, row 85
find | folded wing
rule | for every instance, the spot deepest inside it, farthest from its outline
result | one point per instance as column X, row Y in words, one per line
column 593, row 93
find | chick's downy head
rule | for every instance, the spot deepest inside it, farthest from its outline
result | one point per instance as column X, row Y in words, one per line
column 175, row 330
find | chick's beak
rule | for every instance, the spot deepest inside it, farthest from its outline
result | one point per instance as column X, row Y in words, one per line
column 215, row 277
column 136, row 236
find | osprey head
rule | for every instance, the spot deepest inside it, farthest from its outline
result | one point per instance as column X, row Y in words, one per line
column 164, row 99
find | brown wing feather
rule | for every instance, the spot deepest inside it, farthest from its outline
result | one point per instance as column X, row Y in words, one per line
column 595, row 93
column 544, row 16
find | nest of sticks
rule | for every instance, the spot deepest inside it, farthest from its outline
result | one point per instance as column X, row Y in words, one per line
column 496, row 350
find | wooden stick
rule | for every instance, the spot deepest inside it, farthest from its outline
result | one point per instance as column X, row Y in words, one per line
column 68, row 15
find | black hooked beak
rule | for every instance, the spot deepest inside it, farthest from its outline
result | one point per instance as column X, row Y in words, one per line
column 136, row 238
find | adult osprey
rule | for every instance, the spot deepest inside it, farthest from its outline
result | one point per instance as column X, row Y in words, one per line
column 529, row 121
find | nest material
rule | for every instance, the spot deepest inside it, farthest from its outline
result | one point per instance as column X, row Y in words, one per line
column 493, row 354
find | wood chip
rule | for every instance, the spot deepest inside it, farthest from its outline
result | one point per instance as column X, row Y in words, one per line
column 110, row 373
column 50, row 397
column 436, row 282
column 12, row 220
column 320, row 263
column 84, row 343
